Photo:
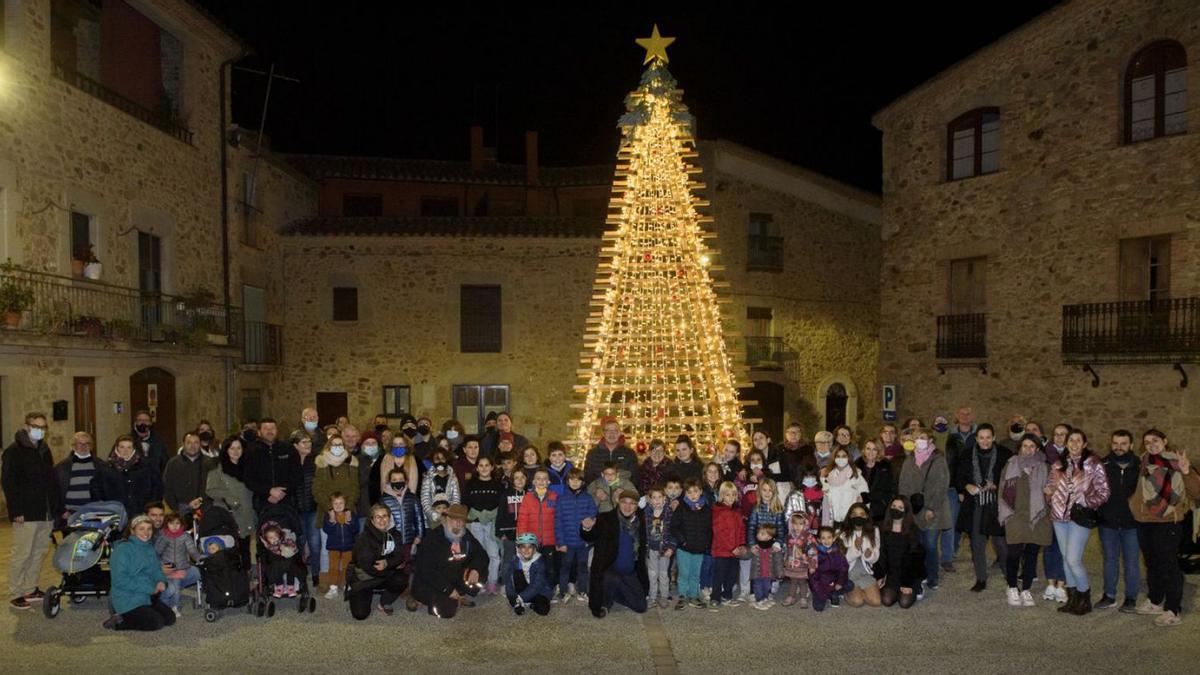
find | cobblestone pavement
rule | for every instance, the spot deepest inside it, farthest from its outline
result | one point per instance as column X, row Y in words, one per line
column 953, row 630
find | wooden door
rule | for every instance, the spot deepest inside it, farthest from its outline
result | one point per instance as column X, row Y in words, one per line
column 85, row 406
column 153, row 389
column 330, row 406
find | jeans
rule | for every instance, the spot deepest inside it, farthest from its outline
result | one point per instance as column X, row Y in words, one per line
column 689, row 573
column 658, row 568
column 950, row 537
column 1052, row 561
column 1072, row 540
column 929, row 539
column 706, row 572
column 484, row 533
column 575, row 561
column 170, row 594
column 762, row 589
column 979, row 554
column 508, row 551
column 625, row 589
column 1164, row 579
column 310, row 535
column 725, row 574
column 1118, row 544
column 1021, row 555
column 744, row 587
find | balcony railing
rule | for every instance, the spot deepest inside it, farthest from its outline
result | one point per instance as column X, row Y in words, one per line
column 962, row 336
column 764, row 352
column 262, row 344
column 157, row 119
column 68, row 306
column 764, row 253
column 1165, row 330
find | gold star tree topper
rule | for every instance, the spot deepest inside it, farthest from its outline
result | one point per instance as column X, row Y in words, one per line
column 655, row 46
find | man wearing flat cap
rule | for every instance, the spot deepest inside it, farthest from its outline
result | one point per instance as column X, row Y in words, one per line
column 618, row 572
column 450, row 563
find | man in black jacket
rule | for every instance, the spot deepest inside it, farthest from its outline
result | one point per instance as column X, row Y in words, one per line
column 450, row 563
column 185, row 476
column 27, row 477
column 148, row 441
column 619, row 559
column 610, row 449
column 272, row 471
column 1118, row 529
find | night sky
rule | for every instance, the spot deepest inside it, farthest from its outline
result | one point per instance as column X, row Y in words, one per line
column 388, row 79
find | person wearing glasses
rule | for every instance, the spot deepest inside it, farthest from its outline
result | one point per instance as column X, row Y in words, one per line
column 27, row 477
column 77, row 475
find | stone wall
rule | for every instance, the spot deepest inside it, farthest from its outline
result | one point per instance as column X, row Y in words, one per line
column 1048, row 221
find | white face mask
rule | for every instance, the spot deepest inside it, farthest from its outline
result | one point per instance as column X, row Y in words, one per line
column 841, row 462
column 922, row 444
column 337, row 450
column 37, row 434
column 809, row 481
column 452, row 434
column 310, row 427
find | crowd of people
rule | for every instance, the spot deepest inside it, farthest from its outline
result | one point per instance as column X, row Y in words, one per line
column 444, row 517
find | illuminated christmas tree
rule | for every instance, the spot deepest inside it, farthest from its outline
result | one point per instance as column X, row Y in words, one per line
column 656, row 357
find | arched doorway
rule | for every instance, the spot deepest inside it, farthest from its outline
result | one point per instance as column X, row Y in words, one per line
column 153, row 389
column 835, row 406
column 768, row 406
column 837, row 401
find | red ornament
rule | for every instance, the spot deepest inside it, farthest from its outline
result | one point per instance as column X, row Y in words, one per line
column 641, row 448
column 647, row 257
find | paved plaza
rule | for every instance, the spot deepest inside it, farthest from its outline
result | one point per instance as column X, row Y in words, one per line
column 953, row 630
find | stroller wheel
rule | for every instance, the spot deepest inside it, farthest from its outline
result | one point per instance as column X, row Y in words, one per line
column 52, row 602
column 270, row 608
column 210, row 615
column 302, row 603
column 78, row 599
column 260, row 608
column 312, row 605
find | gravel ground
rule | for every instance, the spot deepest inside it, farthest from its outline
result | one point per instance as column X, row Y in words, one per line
column 952, row 630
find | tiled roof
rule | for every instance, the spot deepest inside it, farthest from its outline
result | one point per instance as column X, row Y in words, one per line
column 440, row 171
column 488, row 226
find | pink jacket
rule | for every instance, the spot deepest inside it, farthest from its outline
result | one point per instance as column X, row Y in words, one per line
column 1088, row 487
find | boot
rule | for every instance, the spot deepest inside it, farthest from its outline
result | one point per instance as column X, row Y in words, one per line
column 1072, row 601
column 1084, row 606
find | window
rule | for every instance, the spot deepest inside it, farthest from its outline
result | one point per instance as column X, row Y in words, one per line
column 82, row 244
column 396, row 400
column 249, row 210
column 252, row 408
column 330, row 406
column 758, row 321
column 359, row 204
column 471, row 403
column 480, row 322
column 150, row 278
column 85, row 405
column 973, row 145
column 1145, row 268
column 764, row 246
column 587, row 207
column 968, row 286
column 345, row 303
column 441, row 207
column 1156, row 92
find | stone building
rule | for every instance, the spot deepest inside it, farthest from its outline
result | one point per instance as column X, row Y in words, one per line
column 452, row 289
column 113, row 144
column 1041, row 250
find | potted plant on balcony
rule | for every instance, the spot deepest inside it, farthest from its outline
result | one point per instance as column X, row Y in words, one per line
column 15, row 297
column 89, row 326
column 200, row 306
column 85, row 264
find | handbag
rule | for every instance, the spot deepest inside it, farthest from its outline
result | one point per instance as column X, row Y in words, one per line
column 1084, row 517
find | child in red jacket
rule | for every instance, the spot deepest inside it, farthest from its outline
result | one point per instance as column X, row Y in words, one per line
column 728, row 545
column 537, row 516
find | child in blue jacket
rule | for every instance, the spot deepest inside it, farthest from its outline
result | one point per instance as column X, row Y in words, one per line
column 526, row 584
column 341, row 529
column 558, row 466
column 574, row 506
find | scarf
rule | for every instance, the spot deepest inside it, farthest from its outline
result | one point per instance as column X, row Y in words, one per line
column 694, row 505
column 234, row 471
column 334, row 460
column 630, row 526
column 122, row 464
column 1162, row 484
column 923, row 456
column 984, row 497
column 173, row 535
column 838, row 477
column 1033, row 466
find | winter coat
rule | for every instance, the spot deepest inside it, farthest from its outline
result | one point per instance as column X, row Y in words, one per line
column 839, row 498
column 1137, row 504
column 989, row 524
column 510, row 510
column 370, row 486
column 558, row 477
column 328, row 479
column 767, row 563
column 1018, row 529
column 881, row 486
column 682, row 471
column 1123, row 484
column 135, row 571
column 27, row 476
column 233, row 495
column 625, row 459
column 340, row 536
column 464, row 469
column 271, row 466
column 728, row 530
column 652, row 474
column 605, row 537
column 429, row 490
column 762, row 515
column 901, row 561
column 438, row 573
column 372, row 545
column 932, row 481
column 304, row 488
column 832, row 571
column 135, row 485
column 152, row 448
column 658, row 529
column 489, row 445
column 184, row 479
column 1086, row 485
column 537, row 579
column 691, row 528
column 179, row 551
column 408, row 518
column 569, row 512
column 537, row 516
column 810, row 506
column 610, row 491
column 800, row 555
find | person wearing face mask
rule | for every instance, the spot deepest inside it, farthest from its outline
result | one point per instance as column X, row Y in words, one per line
column 209, row 448
column 978, row 481
column 422, row 440
column 900, row 569
column 823, row 451
column 398, row 455
column 407, row 515
column 1118, row 529
column 1012, row 434
column 808, row 496
column 336, row 471
column 454, row 432
column 860, row 541
column 925, row 482
column 77, row 475
column 380, row 425
column 843, row 486
column 151, row 445
column 309, row 421
column 940, row 431
column 27, row 476
column 439, row 479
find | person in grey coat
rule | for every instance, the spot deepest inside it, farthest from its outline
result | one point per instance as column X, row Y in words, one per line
column 925, row 480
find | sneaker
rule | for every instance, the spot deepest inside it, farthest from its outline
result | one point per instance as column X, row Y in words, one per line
column 770, row 603
column 581, row 597
column 835, row 601
column 705, row 594
column 761, row 604
column 745, row 598
column 680, row 604
column 804, row 602
column 177, row 612
column 979, row 587
column 490, row 589
column 554, row 600
column 1106, row 602
column 1129, row 607
column 931, row 585
column 1168, row 618
column 332, row 593
column 386, row 609
column 290, row 592
column 699, row 604
column 948, row 567
column 1027, row 599
column 36, row 594
column 1014, row 597
column 1060, row 594
column 19, row 603
column 1147, row 608
column 714, row 606
column 920, row 595
column 411, row 605
column 734, row 603
column 565, row 598
column 1051, row 593
column 789, row 601
column 112, row 622
column 278, row 591
column 663, row 603
column 519, row 610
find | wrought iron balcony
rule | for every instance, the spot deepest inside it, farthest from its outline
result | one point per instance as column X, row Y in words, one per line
column 1148, row 331
column 765, row 352
column 80, row 307
column 962, row 336
column 764, row 253
column 158, row 119
column 262, row 344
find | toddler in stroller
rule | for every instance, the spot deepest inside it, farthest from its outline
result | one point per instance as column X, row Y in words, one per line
column 281, row 571
column 223, row 581
column 82, row 557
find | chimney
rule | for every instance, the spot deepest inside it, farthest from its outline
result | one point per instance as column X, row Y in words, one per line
column 531, row 157
column 477, row 148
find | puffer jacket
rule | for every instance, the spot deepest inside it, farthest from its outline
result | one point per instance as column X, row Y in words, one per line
column 1122, row 483
column 573, row 506
column 340, row 536
column 558, row 477
column 537, row 516
column 408, row 518
column 729, row 530
column 762, row 515
column 691, row 527
column 535, row 576
column 1086, row 485
column 180, row 551
column 429, row 490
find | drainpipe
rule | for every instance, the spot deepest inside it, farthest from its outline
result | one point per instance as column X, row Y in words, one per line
column 229, row 366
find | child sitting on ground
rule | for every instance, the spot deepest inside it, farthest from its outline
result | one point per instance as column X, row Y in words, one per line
column 830, row 579
column 176, row 550
column 527, row 584
column 341, row 529
column 800, row 559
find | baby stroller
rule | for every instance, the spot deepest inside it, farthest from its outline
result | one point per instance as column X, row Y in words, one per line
column 284, row 560
column 82, row 557
column 223, row 582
